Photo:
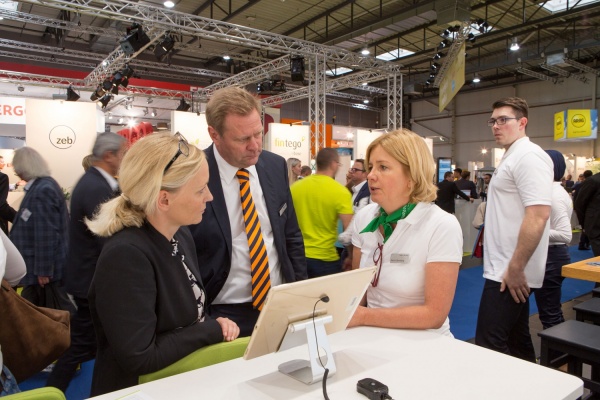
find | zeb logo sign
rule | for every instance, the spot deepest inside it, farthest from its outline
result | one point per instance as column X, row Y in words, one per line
column 62, row 137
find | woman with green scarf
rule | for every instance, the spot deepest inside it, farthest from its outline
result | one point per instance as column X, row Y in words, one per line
column 416, row 246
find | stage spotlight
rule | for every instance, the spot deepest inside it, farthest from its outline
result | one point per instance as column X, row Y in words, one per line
column 183, row 106
column 164, row 47
column 443, row 44
column 297, row 69
column 136, row 39
column 471, row 38
column 437, row 56
column 127, row 73
column 104, row 100
column 154, row 113
column 98, row 93
column 71, row 95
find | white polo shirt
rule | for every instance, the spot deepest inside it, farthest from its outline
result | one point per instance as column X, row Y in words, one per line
column 523, row 178
column 428, row 234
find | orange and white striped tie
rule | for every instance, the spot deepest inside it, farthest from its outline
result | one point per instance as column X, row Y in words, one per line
column 259, row 260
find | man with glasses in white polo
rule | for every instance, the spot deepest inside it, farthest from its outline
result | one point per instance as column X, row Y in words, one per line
column 516, row 233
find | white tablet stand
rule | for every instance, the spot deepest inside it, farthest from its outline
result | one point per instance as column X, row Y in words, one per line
column 308, row 371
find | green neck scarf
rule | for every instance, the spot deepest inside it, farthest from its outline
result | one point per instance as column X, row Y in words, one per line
column 388, row 220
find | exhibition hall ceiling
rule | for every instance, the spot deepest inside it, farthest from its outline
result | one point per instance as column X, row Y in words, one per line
column 45, row 45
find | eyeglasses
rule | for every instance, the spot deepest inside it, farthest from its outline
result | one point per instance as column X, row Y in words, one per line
column 377, row 260
column 184, row 149
column 353, row 170
column 499, row 120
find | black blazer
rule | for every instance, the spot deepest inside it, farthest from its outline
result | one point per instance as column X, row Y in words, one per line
column 144, row 310
column 90, row 192
column 445, row 195
column 587, row 206
column 213, row 234
column 464, row 184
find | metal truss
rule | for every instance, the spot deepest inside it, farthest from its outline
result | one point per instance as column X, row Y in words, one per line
column 247, row 77
column 316, row 104
column 57, row 55
column 80, row 84
column 562, row 72
column 168, row 20
column 537, row 75
column 371, row 89
column 353, row 105
column 115, row 59
column 342, row 83
column 394, row 108
column 453, row 52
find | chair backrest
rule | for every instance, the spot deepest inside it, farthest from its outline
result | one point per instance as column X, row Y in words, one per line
column 45, row 393
column 203, row 357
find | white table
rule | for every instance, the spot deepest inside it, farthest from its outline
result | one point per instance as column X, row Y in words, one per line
column 413, row 364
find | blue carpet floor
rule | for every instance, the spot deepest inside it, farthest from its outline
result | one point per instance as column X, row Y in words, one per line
column 463, row 318
column 463, row 314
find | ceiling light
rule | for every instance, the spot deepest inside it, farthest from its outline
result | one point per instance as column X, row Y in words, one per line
column 146, row 111
column 153, row 113
column 365, row 52
column 169, row 4
column 364, row 83
column 109, row 115
column 365, row 101
column 149, row 100
column 476, row 79
column 226, row 58
column 514, row 46
column 131, row 123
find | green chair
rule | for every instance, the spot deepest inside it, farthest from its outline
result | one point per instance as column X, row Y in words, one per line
column 203, row 357
column 45, row 393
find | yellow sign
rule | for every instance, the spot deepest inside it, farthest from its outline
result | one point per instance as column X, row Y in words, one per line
column 454, row 78
column 559, row 126
column 576, row 125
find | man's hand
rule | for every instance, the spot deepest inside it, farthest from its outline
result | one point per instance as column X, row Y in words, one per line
column 43, row 280
column 471, row 199
column 230, row 329
column 515, row 280
column 347, row 264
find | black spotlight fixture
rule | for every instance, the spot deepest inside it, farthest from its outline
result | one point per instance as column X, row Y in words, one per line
column 126, row 74
column 136, row 39
column 163, row 47
column 71, row 94
column 183, row 106
column 437, row 56
column 98, row 93
column 297, row 69
column 443, row 44
column 104, row 100
column 471, row 37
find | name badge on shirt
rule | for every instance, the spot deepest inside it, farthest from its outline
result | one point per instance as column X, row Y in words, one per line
column 282, row 209
column 400, row 258
column 25, row 215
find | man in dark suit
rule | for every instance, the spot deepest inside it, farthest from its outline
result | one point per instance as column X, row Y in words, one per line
column 447, row 191
column 95, row 187
column 7, row 213
column 465, row 183
column 234, row 124
column 587, row 207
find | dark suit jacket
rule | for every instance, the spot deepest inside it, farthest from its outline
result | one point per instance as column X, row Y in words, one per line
column 90, row 192
column 7, row 213
column 587, row 206
column 144, row 310
column 40, row 231
column 464, row 184
column 362, row 193
column 445, row 196
column 213, row 234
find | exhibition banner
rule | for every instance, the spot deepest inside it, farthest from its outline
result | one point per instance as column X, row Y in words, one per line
column 454, row 79
column 192, row 126
column 576, row 125
column 290, row 141
column 12, row 110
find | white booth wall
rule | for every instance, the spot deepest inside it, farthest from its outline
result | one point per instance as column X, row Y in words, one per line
column 63, row 133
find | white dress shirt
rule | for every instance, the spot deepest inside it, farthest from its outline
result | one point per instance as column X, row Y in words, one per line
column 238, row 287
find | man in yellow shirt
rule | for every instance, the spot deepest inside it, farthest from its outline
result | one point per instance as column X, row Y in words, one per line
column 320, row 201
